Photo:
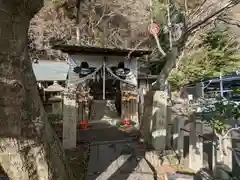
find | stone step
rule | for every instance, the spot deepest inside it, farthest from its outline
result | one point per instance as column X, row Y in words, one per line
column 102, row 134
column 103, row 124
column 178, row 176
column 103, row 110
column 124, row 141
column 118, row 161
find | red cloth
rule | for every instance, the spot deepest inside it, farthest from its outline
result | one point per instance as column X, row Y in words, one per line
column 83, row 124
column 126, row 122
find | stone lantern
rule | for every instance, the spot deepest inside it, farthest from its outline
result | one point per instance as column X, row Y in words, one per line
column 56, row 99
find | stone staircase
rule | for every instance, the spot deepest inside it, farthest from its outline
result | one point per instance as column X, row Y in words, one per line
column 104, row 111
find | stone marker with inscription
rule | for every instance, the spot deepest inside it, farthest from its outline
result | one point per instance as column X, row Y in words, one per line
column 159, row 120
column 70, row 116
column 196, row 144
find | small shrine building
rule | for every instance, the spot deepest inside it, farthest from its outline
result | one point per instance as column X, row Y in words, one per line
column 102, row 86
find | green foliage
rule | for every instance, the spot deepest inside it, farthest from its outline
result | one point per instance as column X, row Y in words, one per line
column 217, row 53
column 159, row 12
column 218, row 114
column 215, row 39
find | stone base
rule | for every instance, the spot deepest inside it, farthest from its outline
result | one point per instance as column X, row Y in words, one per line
column 167, row 163
column 157, row 159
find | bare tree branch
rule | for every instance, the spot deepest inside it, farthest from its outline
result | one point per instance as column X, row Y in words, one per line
column 155, row 35
column 183, row 52
column 137, row 46
column 212, row 16
column 172, row 56
column 169, row 24
column 159, row 46
column 186, row 7
column 229, row 21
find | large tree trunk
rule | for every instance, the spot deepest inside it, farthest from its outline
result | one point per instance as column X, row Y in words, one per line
column 23, row 153
column 19, row 98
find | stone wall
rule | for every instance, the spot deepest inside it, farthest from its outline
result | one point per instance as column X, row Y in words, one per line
column 178, row 127
column 56, row 154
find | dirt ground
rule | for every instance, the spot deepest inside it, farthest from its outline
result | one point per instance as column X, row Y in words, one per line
column 78, row 157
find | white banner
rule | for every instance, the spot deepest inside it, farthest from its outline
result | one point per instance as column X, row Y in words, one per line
column 74, row 78
column 130, row 78
column 76, row 61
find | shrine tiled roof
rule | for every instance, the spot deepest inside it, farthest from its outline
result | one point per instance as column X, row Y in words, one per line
column 89, row 50
column 46, row 70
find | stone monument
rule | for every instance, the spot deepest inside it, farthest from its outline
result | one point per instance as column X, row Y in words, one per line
column 70, row 115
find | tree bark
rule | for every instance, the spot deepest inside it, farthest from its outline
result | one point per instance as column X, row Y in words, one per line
column 21, row 135
column 173, row 54
column 171, row 60
column 20, row 102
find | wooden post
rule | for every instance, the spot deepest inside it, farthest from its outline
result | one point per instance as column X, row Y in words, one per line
column 214, row 152
column 169, row 128
column 104, row 77
column 80, row 111
column 227, row 159
column 195, row 144
column 179, row 137
column 78, row 21
column 224, row 164
column 78, row 35
column 140, row 106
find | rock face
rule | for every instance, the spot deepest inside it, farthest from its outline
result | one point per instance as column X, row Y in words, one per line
column 136, row 12
column 101, row 23
column 127, row 20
